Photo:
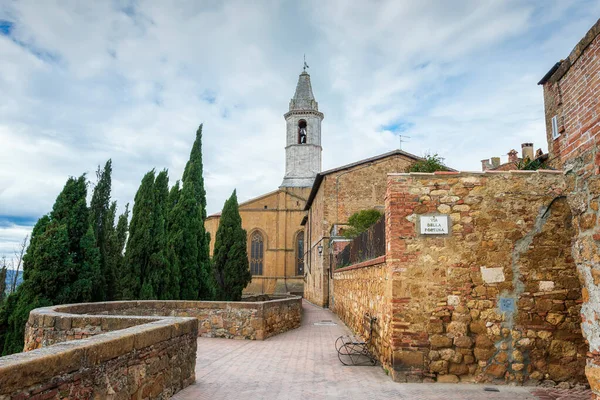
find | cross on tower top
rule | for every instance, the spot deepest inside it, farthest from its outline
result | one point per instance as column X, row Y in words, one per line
column 305, row 64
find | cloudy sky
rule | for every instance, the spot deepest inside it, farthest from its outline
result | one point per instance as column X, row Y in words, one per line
column 82, row 82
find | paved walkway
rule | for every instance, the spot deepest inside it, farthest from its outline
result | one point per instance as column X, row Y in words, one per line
column 303, row 364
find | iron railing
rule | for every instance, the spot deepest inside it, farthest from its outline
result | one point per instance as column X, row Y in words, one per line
column 368, row 245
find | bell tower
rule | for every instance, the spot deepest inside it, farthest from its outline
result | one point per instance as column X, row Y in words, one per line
column 303, row 136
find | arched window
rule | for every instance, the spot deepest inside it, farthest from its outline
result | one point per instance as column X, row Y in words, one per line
column 256, row 253
column 302, row 136
column 300, row 253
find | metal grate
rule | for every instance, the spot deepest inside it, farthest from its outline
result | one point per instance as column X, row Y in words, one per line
column 325, row 322
column 366, row 246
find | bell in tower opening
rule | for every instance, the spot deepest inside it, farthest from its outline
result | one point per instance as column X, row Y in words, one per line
column 302, row 156
column 302, row 132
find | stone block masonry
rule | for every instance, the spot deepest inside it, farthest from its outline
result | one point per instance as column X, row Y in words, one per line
column 571, row 101
column 232, row 320
column 152, row 360
column 341, row 193
column 362, row 289
column 130, row 349
column 498, row 298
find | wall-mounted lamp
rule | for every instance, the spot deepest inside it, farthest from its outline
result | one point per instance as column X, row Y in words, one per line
column 320, row 249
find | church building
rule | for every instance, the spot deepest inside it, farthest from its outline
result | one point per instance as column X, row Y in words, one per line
column 282, row 258
column 273, row 220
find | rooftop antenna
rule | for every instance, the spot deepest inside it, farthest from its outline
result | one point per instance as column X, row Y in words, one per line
column 400, row 140
column 305, row 64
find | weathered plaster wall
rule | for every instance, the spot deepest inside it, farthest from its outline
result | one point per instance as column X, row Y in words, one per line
column 153, row 358
column 510, row 239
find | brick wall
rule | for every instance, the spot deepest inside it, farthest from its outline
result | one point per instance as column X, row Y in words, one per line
column 571, row 93
column 498, row 299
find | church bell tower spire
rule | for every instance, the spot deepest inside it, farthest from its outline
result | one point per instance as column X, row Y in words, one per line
column 303, row 138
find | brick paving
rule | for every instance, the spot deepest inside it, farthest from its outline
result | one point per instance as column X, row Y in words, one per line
column 303, row 364
column 562, row 394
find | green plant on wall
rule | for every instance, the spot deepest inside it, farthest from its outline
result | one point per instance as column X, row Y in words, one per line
column 531, row 165
column 429, row 163
column 361, row 221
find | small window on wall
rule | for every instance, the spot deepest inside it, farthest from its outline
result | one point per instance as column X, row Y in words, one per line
column 256, row 253
column 555, row 133
column 300, row 253
column 302, row 136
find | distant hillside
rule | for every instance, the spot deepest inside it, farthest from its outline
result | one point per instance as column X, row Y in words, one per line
column 9, row 278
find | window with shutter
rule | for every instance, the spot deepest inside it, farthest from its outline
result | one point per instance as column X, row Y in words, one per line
column 555, row 133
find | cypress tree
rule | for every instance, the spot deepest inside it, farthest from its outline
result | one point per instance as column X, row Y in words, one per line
column 174, row 196
column 193, row 174
column 15, row 312
column 102, row 216
column 61, row 265
column 122, row 229
column 146, row 272
column 172, row 243
column 2, row 283
column 188, row 240
column 230, row 257
column 183, row 244
column 118, row 241
column 71, row 210
column 140, row 242
column 157, row 275
column 114, row 244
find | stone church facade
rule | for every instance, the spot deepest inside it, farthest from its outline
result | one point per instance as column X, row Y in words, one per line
column 273, row 220
column 285, row 235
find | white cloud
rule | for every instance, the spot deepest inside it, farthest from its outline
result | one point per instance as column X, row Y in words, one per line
column 84, row 82
column 11, row 240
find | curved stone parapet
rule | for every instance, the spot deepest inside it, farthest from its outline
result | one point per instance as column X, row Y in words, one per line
column 130, row 349
column 107, row 356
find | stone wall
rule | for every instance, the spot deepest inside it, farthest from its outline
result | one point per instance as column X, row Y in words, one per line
column 153, row 358
column 584, row 198
column 362, row 289
column 571, row 94
column 130, row 349
column 341, row 193
column 497, row 299
column 232, row 320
